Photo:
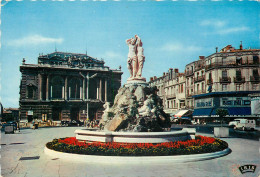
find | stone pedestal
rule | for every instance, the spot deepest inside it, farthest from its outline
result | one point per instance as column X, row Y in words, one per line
column 136, row 81
column 221, row 132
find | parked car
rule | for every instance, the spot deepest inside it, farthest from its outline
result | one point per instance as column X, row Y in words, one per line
column 194, row 122
column 10, row 123
column 243, row 124
column 67, row 123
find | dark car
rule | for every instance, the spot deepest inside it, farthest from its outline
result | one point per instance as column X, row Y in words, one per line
column 71, row 123
column 10, row 123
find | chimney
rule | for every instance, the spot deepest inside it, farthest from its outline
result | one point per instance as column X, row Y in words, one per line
column 202, row 57
column 163, row 73
column 154, row 78
column 216, row 49
column 241, row 46
column 176, row 70
column 151, row 79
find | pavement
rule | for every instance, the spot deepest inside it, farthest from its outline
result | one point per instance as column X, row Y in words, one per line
column 30, row 143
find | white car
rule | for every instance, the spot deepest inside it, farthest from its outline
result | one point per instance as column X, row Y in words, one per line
column 243, row 124
column 194, row 122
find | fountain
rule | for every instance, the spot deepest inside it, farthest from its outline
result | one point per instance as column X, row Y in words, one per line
column 137, row 114
column 135, row 129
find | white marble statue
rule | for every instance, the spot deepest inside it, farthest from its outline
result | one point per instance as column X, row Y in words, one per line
column 135, row 60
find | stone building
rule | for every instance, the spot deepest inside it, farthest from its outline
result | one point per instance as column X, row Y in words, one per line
column 225, row 79
column 66, row 86
column 231, row 76
column 171, row 88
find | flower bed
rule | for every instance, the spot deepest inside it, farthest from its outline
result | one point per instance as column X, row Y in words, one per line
column 200, row 144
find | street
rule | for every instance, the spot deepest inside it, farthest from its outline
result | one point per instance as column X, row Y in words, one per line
column 22, row 155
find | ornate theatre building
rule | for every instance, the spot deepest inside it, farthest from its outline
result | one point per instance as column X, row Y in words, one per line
column 66, row 86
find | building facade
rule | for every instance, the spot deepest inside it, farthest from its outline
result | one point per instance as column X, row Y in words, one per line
column 225, row 79
column 66, row 86
column 171, row 88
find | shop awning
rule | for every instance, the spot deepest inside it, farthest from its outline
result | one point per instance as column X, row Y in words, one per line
column 236, row 111
column 202, row 112
column 181, row 113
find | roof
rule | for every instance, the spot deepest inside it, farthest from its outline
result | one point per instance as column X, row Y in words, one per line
column 67, row 56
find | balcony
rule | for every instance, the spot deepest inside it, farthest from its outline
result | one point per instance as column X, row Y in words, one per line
column 209, row 82
column 189, row 73
column 200, row 92
column 170, row 96
column 230, row 64
column 225, row 80
column 199, row 67
column 255, row 79
column 199, row 78
column 239, row 79
column 190, row 94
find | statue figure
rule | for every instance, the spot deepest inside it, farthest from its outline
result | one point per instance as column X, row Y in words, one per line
column 140, row 56
column 135, row 58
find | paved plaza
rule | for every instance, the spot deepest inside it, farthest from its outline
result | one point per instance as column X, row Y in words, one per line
column 31, row 143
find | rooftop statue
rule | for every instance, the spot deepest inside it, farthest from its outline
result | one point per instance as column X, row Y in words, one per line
column 136, row 58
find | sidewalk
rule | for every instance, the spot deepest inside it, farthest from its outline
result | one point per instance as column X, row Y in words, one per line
column 30, row 143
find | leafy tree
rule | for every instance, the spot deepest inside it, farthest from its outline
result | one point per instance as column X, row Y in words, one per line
column 221, row 113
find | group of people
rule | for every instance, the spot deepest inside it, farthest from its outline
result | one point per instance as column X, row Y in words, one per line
column 136, row 57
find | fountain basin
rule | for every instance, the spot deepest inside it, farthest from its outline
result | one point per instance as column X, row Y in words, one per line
column 134, row 137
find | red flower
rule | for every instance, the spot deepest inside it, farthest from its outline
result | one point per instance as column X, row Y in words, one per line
column 199, row 141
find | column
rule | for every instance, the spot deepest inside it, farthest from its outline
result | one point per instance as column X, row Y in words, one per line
column 51, row 91
column 97, row 90
column 87, row 88
column 80, row 92
column 63, row 92
column 69, row 92
column 100, row 89
column 105, row 90
column 66, row 86
column 47, row 87
column 39, row 87
column 84, row 89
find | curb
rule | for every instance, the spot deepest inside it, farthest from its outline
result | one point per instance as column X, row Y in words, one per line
column 136, row 159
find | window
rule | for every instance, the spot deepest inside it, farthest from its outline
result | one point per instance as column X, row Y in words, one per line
column 74, row 88
column 202, row 86
column 224, row 74
column 224, row 87
column 238, row 75
column 254, row 86
column 239, row 60
column 255, row 59
column 30, row 92
column 210, row 76
column 255, row 73
column 238, row 87
column 57, row 87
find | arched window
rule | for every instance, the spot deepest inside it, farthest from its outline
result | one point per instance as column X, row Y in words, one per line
column 31, row 92
column 57, row 86
column 74, row 88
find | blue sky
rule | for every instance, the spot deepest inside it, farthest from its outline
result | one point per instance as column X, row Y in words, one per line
column 173, row 33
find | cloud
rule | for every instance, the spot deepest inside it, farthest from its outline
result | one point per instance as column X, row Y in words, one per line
column 233, row 30
column 34, row 40
column 178, row 47
column 213, row 23
column 222, row 27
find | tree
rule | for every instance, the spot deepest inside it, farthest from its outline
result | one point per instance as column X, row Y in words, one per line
column 221, row 113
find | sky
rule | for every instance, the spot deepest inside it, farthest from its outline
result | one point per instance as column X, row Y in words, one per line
column 174, row 33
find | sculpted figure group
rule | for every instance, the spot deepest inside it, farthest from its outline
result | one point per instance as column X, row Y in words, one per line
column 136, row 58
